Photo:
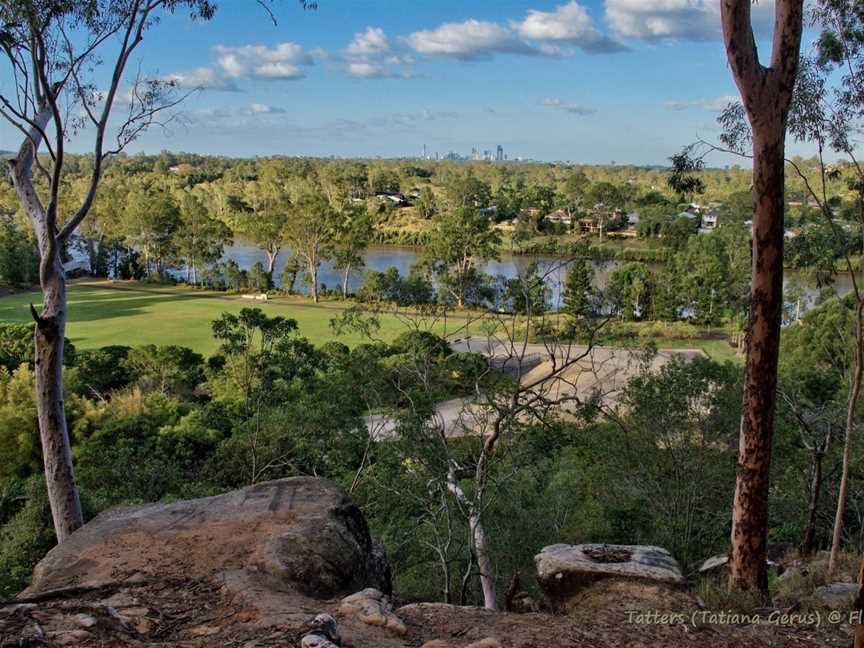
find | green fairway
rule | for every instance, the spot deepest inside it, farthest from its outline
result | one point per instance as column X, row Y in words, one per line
column 132, row 314
column 103, row 313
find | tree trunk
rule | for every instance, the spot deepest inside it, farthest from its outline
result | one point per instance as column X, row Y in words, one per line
column 851, row 407
column 56, row 452
column 313, row 278
column 766, row 94
column 345, row 281
column 748, row 568
column 808, row 542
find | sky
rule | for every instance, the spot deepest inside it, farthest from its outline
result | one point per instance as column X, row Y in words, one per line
column 589, row 81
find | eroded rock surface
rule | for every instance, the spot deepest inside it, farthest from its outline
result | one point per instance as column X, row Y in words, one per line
column 566, row 572
column 301, row 532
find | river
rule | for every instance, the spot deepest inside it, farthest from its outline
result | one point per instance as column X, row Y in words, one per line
column 382, row 257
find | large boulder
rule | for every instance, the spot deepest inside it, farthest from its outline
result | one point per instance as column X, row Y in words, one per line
column 301, row 533
column 573, row 576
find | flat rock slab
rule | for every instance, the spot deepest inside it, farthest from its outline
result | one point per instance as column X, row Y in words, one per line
column 300, row 533
column 564, row 571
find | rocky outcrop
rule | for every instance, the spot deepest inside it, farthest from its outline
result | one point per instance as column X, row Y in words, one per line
column 373, row 608
column 571, row 574
column 301, row 533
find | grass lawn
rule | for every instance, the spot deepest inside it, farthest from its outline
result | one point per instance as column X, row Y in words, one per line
column 103, row 313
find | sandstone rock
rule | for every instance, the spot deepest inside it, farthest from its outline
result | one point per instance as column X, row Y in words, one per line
column 373, row 608
column 564, row 572
column 488, row 642
column 837, row 596
column 436, row 643
column 303, row 532
column 715, row 564
column 316, row 641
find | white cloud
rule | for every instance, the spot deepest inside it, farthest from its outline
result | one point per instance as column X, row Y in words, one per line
column 714, row 105
column 283, row 61
column 234, row 112
column 367, row 70
column 572, row 108
column 372, row 42
column 203, row 78
column 472, row 39
column 654, row 20
column 370, row 56
column 568, row 23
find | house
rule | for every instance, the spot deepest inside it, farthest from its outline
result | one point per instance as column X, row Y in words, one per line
column 710, row 219
column 561, row 216
column 395, row 199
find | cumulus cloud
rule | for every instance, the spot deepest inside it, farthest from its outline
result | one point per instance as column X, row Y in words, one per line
column 714, row 105
column 656, row 20
column 370, row 55
column 572, row 108
column 567, row 24
column 202, row 78
column 372, row 42
column 283, row 61
column 469, row 40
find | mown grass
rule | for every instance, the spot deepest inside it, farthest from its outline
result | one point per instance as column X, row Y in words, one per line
column 132, row 314
column 103, row 313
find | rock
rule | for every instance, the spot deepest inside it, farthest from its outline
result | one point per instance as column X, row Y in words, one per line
column 488, row 642
column 563, row 571
column 325, row 626
column 302, row 532
column 317, row 641
column 372, row 607
column 85, row 620
column 837, row 596
column 436, row 643
column 715, row 564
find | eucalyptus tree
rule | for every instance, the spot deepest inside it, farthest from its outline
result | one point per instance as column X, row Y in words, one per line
column 52, row 51
column 766, row 93
column 310, row 231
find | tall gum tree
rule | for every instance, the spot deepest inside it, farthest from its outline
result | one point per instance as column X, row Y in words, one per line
column 766, row 93
column 51, row 56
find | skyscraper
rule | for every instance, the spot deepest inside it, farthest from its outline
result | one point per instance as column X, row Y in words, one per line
column 499, row 154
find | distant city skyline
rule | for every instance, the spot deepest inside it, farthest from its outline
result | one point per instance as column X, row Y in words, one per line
column 587, row 81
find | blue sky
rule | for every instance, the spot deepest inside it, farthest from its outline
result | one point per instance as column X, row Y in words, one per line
column 589, row 81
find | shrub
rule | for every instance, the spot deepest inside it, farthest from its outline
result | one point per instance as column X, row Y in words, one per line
column 25, row 538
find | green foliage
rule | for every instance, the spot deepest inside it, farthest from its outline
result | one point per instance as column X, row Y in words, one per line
column 170, row 370
column 630, row 288
column 25, row 538
column 19, row 260
column 101, row 371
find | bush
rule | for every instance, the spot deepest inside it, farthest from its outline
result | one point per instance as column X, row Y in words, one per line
column 101, row 371
column 422, row 344
column 25, row 538
column 17, row 346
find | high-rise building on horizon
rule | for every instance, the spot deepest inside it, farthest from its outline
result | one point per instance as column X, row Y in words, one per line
column 499, row 154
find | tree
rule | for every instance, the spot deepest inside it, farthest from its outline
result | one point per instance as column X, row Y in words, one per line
column 52, row 89
column 200, row 239
column 151, row 222
column 630, row 288
column 766, row 93
column 468, row 191
column 310, row 231
column 260, row 213
column 578, row 292
column 459, row 241
column 425, row 204
column 352, row 237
